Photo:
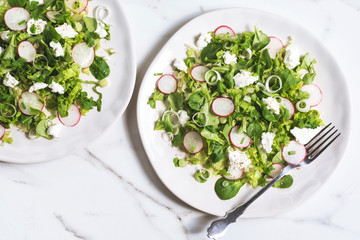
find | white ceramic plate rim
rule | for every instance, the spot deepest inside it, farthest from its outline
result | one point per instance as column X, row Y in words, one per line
column 143, row 94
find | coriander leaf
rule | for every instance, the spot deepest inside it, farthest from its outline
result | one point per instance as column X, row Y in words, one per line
column 100, row 69
column 17, row 3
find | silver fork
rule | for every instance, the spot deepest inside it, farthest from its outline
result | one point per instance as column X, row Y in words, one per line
column 314, row 148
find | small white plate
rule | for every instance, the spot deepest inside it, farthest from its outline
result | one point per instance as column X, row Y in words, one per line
column 335, row 108
column 115, row 100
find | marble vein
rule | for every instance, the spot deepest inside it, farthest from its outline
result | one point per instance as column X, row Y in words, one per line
column 68, row 228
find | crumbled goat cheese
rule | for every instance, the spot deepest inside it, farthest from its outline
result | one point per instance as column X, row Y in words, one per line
column 38, row 24
column 56, row 88
column 183, row 117
column 101, row 29
column 292, row 57
column 229, row 58
column 180, row 64
column 304, row 135
column 272, row 104
column 38, row 86
column 267, row 139
column 41, row 2
column 1, row 50
column 5, row 35
column 58, row 49
column 66, row 30
column 55, row 130
column 203, row 41
column 237, row 160
column 10, row 81
column 243, row 79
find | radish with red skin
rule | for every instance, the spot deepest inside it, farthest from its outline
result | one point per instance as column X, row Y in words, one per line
column 277, row 169
column 238, row 174
column 83, row 55
column 286, row 103
column 222, row 106
column 27, row 50
column 167, row 84
column 73, row 118
column 315, row 94
column 198, row 73
column 224, row 30
column 30, row 101
column 16, row 15
column 294, row 153
column 71, row 5
column 274, row 46
column 193, row 142
column 239, row 140
column 2, row 131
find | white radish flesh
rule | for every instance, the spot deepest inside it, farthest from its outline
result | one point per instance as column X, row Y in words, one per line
column 286, row 103
column 274, row 46
column 16, row 18
column 2, row 131
column 83, row 55
column 30, row 103
column 167, row 84
column 193, row 142
column 294, row 153
column 239, row 173
column 77, row 6
column 315, row 94
column 198, row 73
column 73, row 118
column 277, row 169
column 224, row 30
column 27, row 50
column 223, row 106
column 239, row 140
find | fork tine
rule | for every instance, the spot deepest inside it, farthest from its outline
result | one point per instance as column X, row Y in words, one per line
column 319, row 144
column 323, row 149
column 318, row 140
column 322, row 130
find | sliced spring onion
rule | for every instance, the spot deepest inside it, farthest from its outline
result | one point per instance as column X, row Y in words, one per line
column 172, row 117
column 303, row 106
column 8, row 110
column 292, row 152
column 32, row 134
column 225, row 184
column 200, row 119
column 202, row 175
column 101, row 13
column 247, row 53
column 212, row 77
column 40, row 62
column 267, row 84
column 167, row 136
column 247, row 99
column 228, row 45
column 242, row 140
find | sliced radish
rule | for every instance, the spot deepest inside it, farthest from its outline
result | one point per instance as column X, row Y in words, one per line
column 223, row 106
column 193, row 142
column 27, row 50
column 294, row 153
column 83, row 55
column 2, row 131
column 274, row 46
column 198, row 73
column 277, row 169
column 51, row 15
column 30, row 103
column 286, row 103
column 73, row 118
column 315, row 94
column 239, row 173
column 239, row 140
column 16, row 15
column 224, row 30
column 167, row 84
column 77, row 6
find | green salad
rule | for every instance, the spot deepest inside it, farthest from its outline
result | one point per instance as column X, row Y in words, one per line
column 44, row 47
column 234, row 104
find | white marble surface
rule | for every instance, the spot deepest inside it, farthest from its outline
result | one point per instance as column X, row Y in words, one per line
column 109, row 190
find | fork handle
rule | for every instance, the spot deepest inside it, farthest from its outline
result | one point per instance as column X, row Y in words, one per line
column 218, row 228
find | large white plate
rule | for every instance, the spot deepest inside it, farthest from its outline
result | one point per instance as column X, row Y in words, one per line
column 335, row 108
column 115, row 100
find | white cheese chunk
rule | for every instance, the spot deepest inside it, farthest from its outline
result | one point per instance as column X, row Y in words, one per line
column 56, row 88
column 229, row 58
column 10, row 81
column 55, row 130
column 180, row 64
column 38, row 86
column 41, row 2
column 58, row 49
column 101, row 29
column 35, row 27
column 1, row 50
column 203, row 40
column 66, row 31
column 183, row 117
column 237, row 160
column 267, row 139
column 272, row 104
column 244, row 78
column 292, row 57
